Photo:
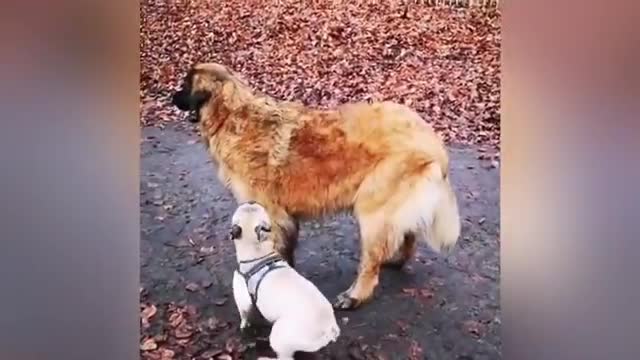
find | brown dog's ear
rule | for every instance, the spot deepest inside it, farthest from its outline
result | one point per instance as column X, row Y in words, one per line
column 217, row 71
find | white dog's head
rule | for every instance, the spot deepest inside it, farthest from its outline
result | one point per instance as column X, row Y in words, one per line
column 250, row 222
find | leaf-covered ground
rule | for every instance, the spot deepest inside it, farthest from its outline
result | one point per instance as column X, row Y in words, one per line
column 444, row 62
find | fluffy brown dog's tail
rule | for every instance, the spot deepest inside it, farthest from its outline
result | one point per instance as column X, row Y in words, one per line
column 430, row 211
column 445, row 227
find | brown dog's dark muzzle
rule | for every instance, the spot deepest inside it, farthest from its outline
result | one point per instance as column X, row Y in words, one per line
column 181, row 100
column 186, row 101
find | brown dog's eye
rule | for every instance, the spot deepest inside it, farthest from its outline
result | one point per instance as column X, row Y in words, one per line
column 236, row 232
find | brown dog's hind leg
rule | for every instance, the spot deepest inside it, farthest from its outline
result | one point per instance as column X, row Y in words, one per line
column 406, row 251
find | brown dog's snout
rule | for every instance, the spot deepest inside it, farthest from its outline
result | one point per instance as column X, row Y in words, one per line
column 181, row 100
column 187, row 101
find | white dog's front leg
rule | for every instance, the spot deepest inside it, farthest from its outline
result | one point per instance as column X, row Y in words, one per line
column 243, row 324
column 242, row 298
column 243, row 320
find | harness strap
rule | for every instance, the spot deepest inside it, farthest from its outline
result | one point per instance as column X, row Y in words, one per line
column 269, row 262
column 273, row 266
column 256, row 259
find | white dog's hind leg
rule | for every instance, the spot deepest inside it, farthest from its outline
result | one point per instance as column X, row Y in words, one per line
column 278, row 358
column 283, row 339
column 290, row 335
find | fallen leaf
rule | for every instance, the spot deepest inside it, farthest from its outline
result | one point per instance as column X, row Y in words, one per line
column 191, row 310
column 474, row 328
column 206, row 250
column 415, row 351
column 159, row 338
column 183, row 342
column 410, row 291
column 390, row 337
column 148, row 345
column 146, row 314
column 356, row 352
column 176, row 319
column 167, row 354
column 231, row 345
column 220, row 301
column 426, row 293
column 149, row 311
column 210, row 354
column 213, row 323
column 192, row 287
column 183, row 331
column 403, row 326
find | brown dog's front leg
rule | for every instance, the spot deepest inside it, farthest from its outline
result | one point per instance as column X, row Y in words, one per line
column 363, row 287
column 375, row 245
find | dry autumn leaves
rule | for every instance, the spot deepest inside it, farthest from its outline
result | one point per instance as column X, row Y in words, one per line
column 180, row 332
column 444, row 62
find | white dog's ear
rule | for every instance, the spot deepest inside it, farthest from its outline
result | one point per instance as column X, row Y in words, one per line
column 236, row 232
column 262, row 229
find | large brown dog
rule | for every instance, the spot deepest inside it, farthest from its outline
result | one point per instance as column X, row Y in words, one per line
column 380, row 161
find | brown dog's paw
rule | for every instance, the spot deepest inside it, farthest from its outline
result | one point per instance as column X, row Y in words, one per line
column 346, row 302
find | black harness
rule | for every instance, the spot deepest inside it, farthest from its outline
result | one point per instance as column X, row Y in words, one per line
column 255, row 270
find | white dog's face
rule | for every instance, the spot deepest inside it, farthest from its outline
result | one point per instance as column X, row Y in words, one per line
column 250, row 222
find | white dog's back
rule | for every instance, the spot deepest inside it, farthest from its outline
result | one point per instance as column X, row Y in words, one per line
column 298, row 308
column 297, row 295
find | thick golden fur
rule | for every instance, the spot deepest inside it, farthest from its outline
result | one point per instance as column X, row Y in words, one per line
column 380, row 161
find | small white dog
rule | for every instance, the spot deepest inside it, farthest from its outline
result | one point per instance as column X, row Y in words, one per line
column 302, row 317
